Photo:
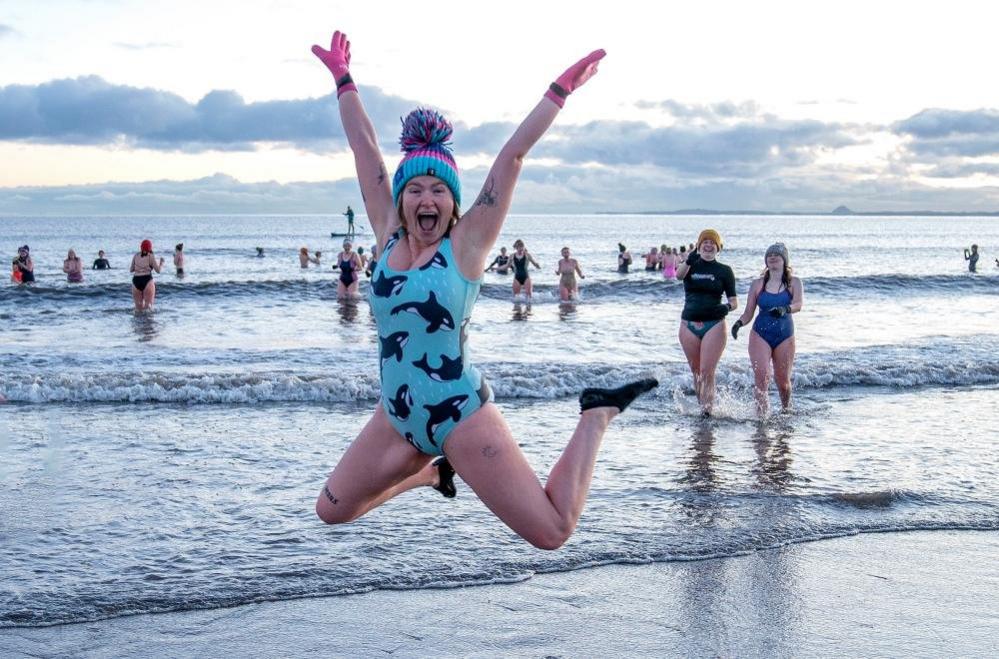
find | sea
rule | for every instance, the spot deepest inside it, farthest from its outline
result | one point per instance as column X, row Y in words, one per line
column 170, row 461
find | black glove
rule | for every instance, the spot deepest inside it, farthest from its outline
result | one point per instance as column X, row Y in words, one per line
column 722, row 310
column 780, row 312
column 735, row 329
column 693, row 258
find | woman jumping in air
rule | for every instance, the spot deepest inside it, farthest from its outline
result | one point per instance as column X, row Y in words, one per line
column 434, row 402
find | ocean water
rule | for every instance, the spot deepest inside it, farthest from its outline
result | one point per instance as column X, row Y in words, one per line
column 171, row 460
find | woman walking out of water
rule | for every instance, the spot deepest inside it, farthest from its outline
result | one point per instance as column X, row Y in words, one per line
column 567, row 269
column 702, row 323
column 73, row 267
column 434, row 401
column 142, row 266
column 350, row 265
column 521, row 276
column 778, row 294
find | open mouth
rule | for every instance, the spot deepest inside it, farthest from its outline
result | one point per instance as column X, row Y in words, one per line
column 427, row 221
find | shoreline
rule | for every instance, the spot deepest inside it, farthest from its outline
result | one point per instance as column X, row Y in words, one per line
column 885, row 594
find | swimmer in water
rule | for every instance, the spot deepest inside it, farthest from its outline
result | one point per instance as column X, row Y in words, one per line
column 142, row 266
column 521, row 276
column 178, row 259
column 501, row 263
column 350, row 266
column 434, row 403
column 778, row 294
column 972, row 258
column 623, row 259
column 73, row 267
column 101, row 263
column 567, row 269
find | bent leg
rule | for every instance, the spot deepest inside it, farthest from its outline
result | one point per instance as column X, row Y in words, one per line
column 377, row 466
column 484, row 453
column 783, row 359
column 712, row 346
column 759, row 357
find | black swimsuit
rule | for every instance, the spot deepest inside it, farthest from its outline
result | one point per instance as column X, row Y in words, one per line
column 347, row 276
column 520, row 269
column 502, row 264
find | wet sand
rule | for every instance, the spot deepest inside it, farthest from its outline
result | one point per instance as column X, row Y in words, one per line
column 889, row 594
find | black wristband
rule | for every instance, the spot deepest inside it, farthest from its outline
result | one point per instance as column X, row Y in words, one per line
column 345, row 80
column 558, row 90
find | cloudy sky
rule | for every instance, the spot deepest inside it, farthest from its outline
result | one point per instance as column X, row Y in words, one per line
column 123, row 106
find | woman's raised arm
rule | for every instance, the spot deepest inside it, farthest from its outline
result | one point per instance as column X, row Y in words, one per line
column 481, row 224
column 376, row 190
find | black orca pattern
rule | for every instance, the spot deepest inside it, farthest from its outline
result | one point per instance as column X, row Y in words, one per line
column 448, row 409
column 450, row 369
column 412, row 440
column 384, row 286
column 392, row 345
column 401, row 404
column 438, row 262
column 432, row 311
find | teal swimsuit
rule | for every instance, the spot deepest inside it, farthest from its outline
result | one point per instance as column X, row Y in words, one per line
column 428, row 386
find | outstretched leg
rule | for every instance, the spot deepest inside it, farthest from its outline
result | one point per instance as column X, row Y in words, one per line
column 377, row 466
column 486, row 456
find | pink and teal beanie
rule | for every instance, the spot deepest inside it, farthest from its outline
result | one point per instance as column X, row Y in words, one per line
column 424, row 140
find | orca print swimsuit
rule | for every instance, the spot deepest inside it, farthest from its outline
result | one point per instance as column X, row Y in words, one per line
column 428, row 384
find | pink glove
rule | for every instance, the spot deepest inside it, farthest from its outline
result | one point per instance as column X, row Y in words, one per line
column 574, row 77
column 337, row 60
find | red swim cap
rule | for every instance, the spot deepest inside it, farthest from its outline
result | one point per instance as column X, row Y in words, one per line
column 146, row 245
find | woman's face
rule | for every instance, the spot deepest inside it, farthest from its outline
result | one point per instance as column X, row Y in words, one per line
column 427, row 207
column 565, row 252
column 775, row 261
column 708, row 247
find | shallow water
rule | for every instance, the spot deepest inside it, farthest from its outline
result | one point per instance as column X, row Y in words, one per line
column 171, row 460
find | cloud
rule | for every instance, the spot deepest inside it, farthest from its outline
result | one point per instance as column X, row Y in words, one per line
column 941, row 133
column 7, row 31
column 90, row 110
column 711, row 112
column 746, row 149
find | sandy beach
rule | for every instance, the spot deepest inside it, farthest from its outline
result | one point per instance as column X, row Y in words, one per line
column 901, row 594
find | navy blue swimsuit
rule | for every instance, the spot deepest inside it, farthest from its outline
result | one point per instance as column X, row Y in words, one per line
column 771, row 329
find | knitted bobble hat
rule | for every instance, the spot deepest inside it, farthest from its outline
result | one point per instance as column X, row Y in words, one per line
column 424, row 141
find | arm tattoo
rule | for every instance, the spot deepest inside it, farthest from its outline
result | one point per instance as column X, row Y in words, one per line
column 490, row 452
column 381, row 173
column 488, row 195
column 329, row 495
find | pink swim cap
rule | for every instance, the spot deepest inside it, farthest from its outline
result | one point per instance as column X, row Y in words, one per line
column 146, row 245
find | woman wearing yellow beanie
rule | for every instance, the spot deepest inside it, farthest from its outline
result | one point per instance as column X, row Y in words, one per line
column 702, row 324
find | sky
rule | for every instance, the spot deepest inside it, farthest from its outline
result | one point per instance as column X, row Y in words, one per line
column 123, row 106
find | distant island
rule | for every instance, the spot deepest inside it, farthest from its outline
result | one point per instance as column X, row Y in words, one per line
column 838, row 211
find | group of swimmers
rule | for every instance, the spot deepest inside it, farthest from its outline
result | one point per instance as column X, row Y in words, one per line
column 349, row 262
column 142, row 266
column 567, row 268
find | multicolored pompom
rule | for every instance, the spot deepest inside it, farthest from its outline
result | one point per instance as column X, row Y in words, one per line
column 425, row 128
